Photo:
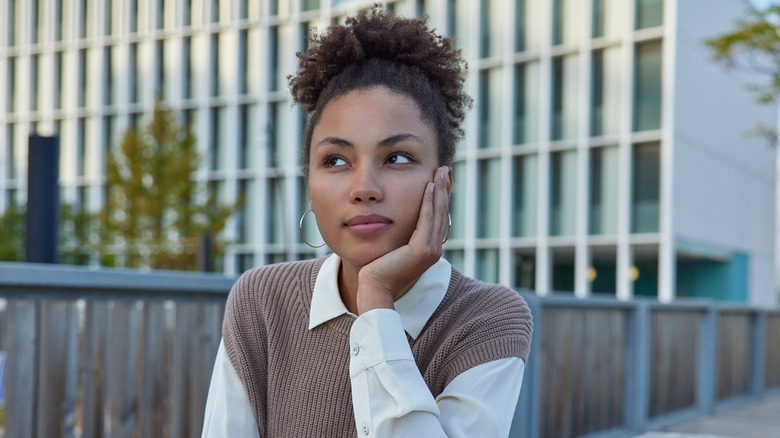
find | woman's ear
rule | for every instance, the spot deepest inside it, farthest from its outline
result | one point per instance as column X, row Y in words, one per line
column 449, row 191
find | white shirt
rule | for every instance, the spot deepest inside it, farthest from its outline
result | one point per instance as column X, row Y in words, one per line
column 389, row 396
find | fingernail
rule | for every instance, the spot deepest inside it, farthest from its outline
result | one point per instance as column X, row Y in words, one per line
column 430, row 187
column 443, row 174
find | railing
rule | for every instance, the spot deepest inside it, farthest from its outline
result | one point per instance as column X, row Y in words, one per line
column 108, row 353
column 602, row 367
column 122, row 353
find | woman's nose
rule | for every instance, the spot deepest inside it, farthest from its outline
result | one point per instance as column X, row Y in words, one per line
column 365, row 186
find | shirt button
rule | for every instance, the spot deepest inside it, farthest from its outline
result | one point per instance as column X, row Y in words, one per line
column 355, row 350
column 365, row 429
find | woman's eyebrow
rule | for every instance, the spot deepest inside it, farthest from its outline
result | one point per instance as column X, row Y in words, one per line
column 389, row 141
column 337, row 141
column 398, row 138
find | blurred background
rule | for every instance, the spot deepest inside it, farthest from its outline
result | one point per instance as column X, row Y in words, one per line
column 619, row 153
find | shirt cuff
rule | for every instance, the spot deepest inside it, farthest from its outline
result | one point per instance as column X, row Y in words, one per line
column 377, row 336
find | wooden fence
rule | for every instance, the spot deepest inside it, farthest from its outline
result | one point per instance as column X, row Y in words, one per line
column 602, row 367
column 129, row 354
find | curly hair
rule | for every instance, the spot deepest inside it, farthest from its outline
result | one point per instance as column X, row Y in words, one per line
column 375, row 48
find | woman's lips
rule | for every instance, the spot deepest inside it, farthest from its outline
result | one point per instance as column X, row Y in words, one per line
column 367, row 224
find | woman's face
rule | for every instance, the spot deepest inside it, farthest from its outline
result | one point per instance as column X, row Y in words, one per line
column 372, row 155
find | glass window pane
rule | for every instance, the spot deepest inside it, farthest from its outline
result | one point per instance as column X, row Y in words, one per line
column 646, row 187
column 458, row 200
column 133, row 71
column 186, row 6
column 493, row 32
column 567, row 19
column 525, row 186
column 58, row 89
column 34, row 72
column 160, row 69
column 274, row 213
column 34, row 19
column 215, row 11
column 10, row 89
column 216, row 123
column 603, row 190
column 488, row 197
column 649, row 13
column 215, row 80
column 108, row 76
column 456, row 258
column 607, row 17
column 647, row 86
column 524, row 267
column 246, row 135
column 490, row 113
column 563, row 192
column 10, row 23
column 243, row 56
column 187, row 61
column 526, row 103
column 244, row 215
column 487, row 265
column 82, row 87
column 563, row 269
column 602, row 272
column 310, row 5
column 279, row 135
column 605, row 97
column 565, row 92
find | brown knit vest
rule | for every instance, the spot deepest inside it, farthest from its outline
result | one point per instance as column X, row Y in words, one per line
column 297, row 379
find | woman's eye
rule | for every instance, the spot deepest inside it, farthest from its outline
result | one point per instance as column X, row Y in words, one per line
column 399, row 159
column 334, row 161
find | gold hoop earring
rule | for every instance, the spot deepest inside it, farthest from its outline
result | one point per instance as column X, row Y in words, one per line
column 300, row 228
column 449, row 228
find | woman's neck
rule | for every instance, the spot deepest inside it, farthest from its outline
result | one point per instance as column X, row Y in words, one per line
column 348, row 285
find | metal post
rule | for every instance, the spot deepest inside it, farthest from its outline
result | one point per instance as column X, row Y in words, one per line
column 43, row 214
column 638, row 363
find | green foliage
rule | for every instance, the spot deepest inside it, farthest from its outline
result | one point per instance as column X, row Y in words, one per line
column 156, row 213
column 12, row 234
column 754, row 46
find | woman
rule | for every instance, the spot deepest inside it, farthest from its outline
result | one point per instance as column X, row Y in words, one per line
column 382, row 338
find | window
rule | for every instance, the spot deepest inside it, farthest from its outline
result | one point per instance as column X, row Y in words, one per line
column 607, row 17
column 646, row 187
column 81, row 147
column 58, row 18
column 273, row 58
column 310, row 5
column 108, row 76
column 215, row 127
column 487, row 265
column 458, row 201
column 567, row 19
column 246, row 134
column 490, row 113
column 563, row 192
column 34, row 82
column 84, row 21
column 647, row 86
column 215, row 80
column 524, row 266
column 562, row 269
column 160, row 15
column 34, row 20
column 525, row 128
column 244, row 219
column 603, row 190
column 57, row 80
column 10, row 159
column 186, row 13
column 108, row 9
column 159, row 49
column 243, row 9
column 243, row 56
column 11, row 84
column 565, row 91
column 83, row 80
column 133, row 16
column 489, row 199
column 275, row 221
column 187, row 63
column 215, row 11
column 605, row 92
column 10, row 23
column 492, row 30
column 133, row 71
column 524, row 198
column 649, row 13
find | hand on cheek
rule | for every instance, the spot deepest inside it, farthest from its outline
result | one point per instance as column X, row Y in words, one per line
column 387, row 278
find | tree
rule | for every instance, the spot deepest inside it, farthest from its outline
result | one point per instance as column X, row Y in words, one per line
column 754, row 46
column 12, row 234
column 73, row 245
column 156, row 213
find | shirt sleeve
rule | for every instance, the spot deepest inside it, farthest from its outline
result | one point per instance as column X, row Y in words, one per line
column 390, row 397
column 228, row 412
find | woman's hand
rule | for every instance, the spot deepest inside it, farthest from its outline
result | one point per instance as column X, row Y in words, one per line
column 389, row 277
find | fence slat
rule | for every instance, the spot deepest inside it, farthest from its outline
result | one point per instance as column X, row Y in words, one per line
column 152, row 408
column 22, row 369
column 93, row 375
column 122, row 376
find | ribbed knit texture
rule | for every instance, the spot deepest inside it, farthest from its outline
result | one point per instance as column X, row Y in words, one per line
column 297, row 379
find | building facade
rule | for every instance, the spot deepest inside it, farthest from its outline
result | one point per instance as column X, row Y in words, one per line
column 605, row 152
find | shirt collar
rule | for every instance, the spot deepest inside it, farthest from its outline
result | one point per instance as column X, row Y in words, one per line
column 415, row 307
